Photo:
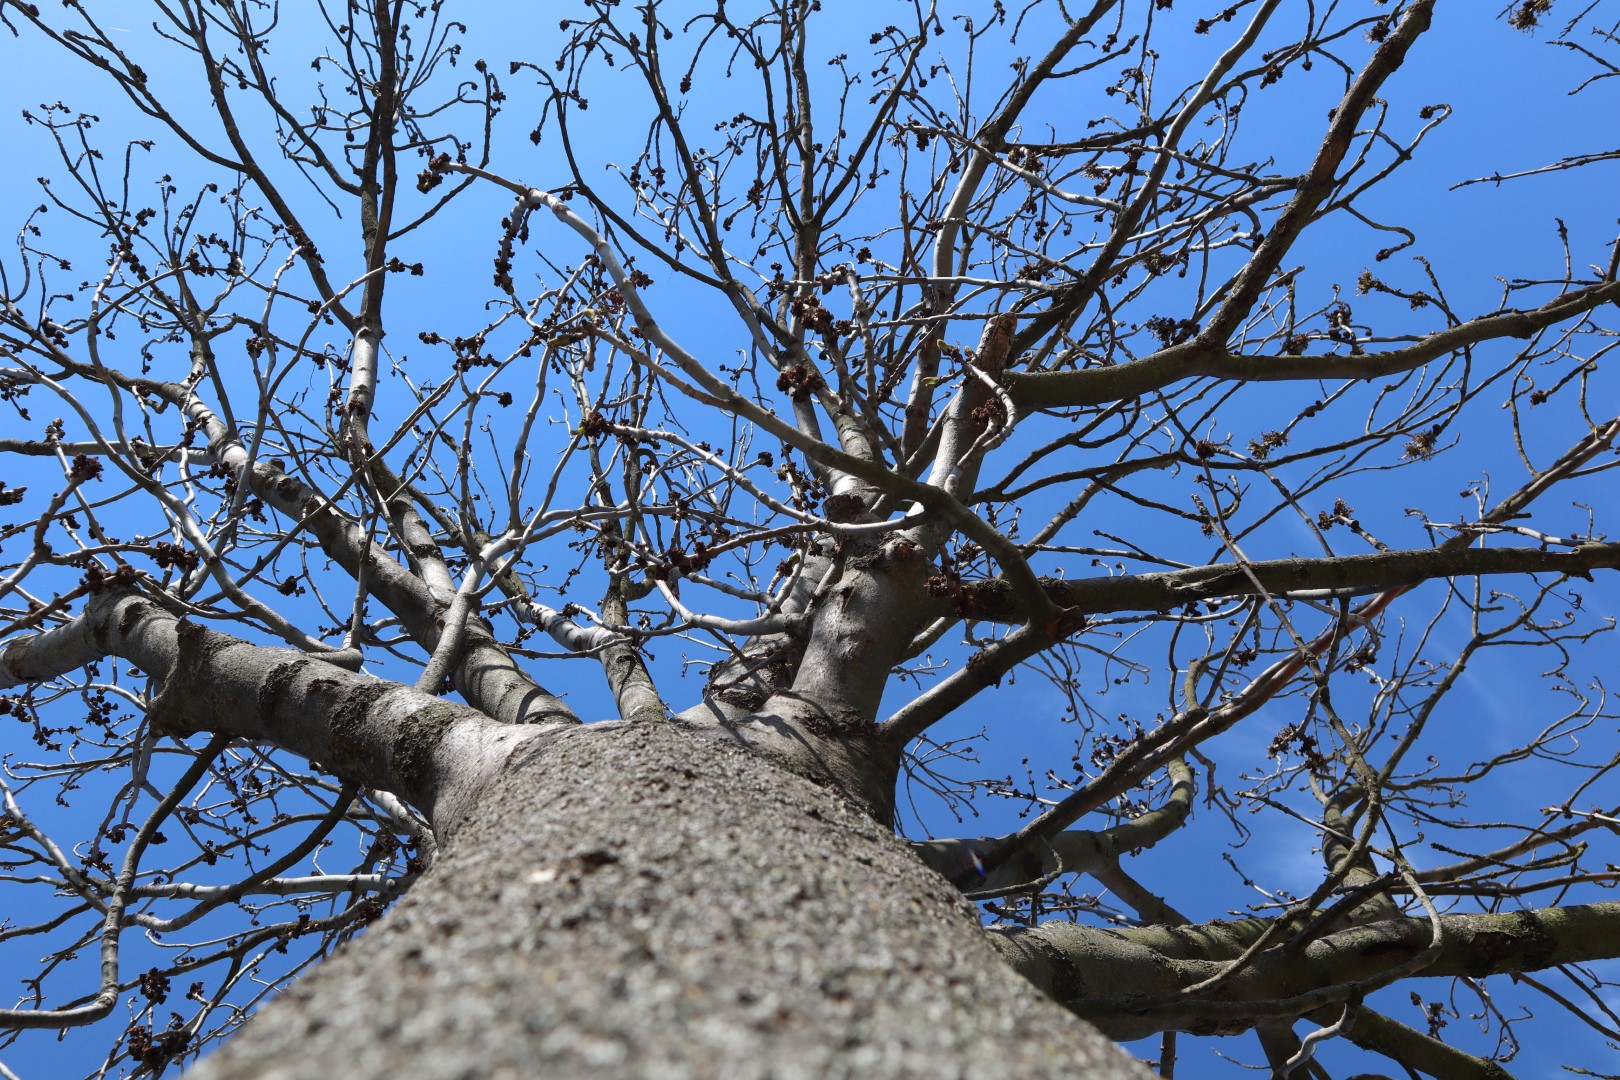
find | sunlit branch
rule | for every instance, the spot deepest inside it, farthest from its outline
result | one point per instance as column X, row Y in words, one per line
column 1201, row 359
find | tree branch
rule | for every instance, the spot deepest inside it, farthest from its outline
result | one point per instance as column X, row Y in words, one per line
column 1110, row 976
column 1210, row 359
column 1076, row 851
column 1322, row 578
column 377, row 733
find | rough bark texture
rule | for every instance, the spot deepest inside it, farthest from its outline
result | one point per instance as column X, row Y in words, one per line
column 641, row 902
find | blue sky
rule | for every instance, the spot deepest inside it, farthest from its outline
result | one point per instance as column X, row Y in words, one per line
column 1511, row 112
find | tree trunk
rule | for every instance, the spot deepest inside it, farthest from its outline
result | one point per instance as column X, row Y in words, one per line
column 640, row 900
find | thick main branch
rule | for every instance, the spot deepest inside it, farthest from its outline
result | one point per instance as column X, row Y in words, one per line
column 378, row 733
column 1126, row 980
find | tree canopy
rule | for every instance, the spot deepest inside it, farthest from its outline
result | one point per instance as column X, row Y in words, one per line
column 1067, row 431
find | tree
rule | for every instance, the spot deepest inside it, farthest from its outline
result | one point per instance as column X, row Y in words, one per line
column 824, row 416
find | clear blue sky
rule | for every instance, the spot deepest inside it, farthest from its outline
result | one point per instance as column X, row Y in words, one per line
column 1512, row 112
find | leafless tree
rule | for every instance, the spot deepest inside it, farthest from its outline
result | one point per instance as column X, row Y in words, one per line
column 865, row 408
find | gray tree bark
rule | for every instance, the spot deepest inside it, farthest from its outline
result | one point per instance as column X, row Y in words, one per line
column 647, row 900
